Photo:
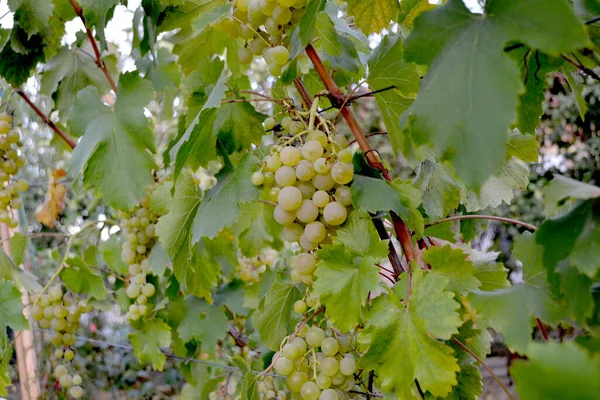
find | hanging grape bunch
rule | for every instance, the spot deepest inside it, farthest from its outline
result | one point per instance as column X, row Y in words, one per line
column 266, row 26
column 60, row 312
column 267, row 390
column 10, row 141
column 307, row 174
column 140, row 237
column 250, row 269
column 317, row 365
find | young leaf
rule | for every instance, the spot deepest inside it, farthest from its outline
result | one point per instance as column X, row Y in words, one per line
column 453, row 264
column 114, row 153
column 373, row 15
column 147, row 341
column 328, row 37
column 403, row 338
column 11, row 308
column 523, row 147
column 79, row 278
column 346, row 272
column 18, row 246
column 459, row 107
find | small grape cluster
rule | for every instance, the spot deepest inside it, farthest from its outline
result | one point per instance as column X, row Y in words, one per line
column 60, row 312
column 317, row 366
column 265, row 25
column 250, row 269
column 307, row 174
column 10, row 162
column 139, row 231
column 268, row 391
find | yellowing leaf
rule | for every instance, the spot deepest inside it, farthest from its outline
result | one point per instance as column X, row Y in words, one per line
column 373, row 15
column 54, row 204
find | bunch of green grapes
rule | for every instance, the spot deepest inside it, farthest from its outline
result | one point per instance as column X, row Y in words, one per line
column 267, row 390
column 318, row 366
column 266, row 26
column 139, row 231
column 250, row 269
column 307, row 173
column 10, row 162
column 60, row 312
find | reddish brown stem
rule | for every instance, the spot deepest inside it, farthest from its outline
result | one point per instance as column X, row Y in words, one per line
column 47, row 120
column 304, row 95
column 99, row 62
column 542, row 329
column 490, row 217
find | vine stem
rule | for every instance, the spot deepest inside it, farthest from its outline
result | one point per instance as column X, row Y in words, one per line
column 484, row 365
column 99, row 62
column 296, row 332
column 337, row 99
column 46, row 119
column 490, row 217
column 63, row 260
column 368, row 136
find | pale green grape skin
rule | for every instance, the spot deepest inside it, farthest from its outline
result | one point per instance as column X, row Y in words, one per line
column 323, row 181
column 322, row 165
column 321, row 198
column 244, row 56
column 295, row 276
column 133, row 291
column 273, row 193
column 307, row 212
column 280, row 57
column 318, row 135
column 344, row 342
column 60, row 370
column 257, row 178
column 314, row 336
column 285, row 176
column 315, row 232
column 307, row 244
column 282, row 15
column 256, row 46
column 300, row 307
column 307, row 189
column 310, row 391
column 304, row 171
column 343, row 195
column 300, row 344
column 284, row 366
column 77, row 380
column 323, row 381
column 269, row 123
column 295, row 381
column 335, row 214
column 273, row 161
column 69, row 355
column 290, row 156
column 66, row 381
column 290, row 198
column 305, row 263
column 76, row 392
column 329, row 394
column 290, row 351
column 342, row 173
column 148, row 290
column 330, row 366
column 286, row 3
column 282, row 216
column 345, row 156
column 347, row 366
column 330, row 346
column 286, row 122
column 312, row 150
column 292, row 232
column 246, row 32
column 275, row 69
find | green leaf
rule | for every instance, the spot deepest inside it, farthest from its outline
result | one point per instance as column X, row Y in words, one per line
column 411, row 9
column 114, row 153
column 147, row 341
column 79, row 278
column 198, row 144
column 346, row 272
column 193, row 51
column 511, row 311
column 238, row 126
column 576, row 290
column 256, row 229
column 16, row 67
column 95, row 10
column 249, row 387
column 441, row 191
column 163, row 71
column 18, row 246
column 274, row 317
column 308, row 23
column 459, row 108
column 403, row 339
column 11, row 308
column 557, row 371
column 328, row 37
column 203, row 322
column 200, row 23
column 561, row 188
column 576, row 85
column 159, row 260
column 31, row 15
column 401, row 198
column 492, row 275
column 111, row 251
column 221, row 205
column 523, row 147
column 4, row 36
column 453, row 264
column 373, row 15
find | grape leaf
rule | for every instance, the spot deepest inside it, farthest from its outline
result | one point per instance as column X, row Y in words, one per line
column 147, row 341
column 16, row 67
column 249, row 388
column 492, row 275
column 373, row 15
column 576, row 291
column 18, row 245
column 576, row 85
column 256, row 229
column 459, row 108
column 203, row 20
column 441, row 191
column 191, row 52
column 159, row 260
column 308, row 23
column 557, row 371
column 238, row 126
column 198, row 145
column 114, row 153
column 95, row 10
column 204, row 322
column 453, row 264
column 163, row 72
column 31, row 15
column 411, row 9
column 274, row 317
column 523, row 147
column 111, row 252
column 328, row 37
column 403, row 338
column 4, row 36
column 346, row 272
column 561, row 188
column 387, row 68
column 79, row 278
column 11, row 308
column 221, row 205
column 398, row 197
column 510, row 311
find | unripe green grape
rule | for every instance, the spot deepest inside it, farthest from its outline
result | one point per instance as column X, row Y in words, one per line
column 77, row 380
column 330, row 346
column 66, row 381
column 284, row 366
column 44, row 323
column 300, row 344
column 290, row 156
column 267, row 7
column 58, row 324
column 342, row 173
column 133, row 291
column 295, row 381
column 315, row 232
column 329, row 394
column 246, row 32
column 60, row 312
column 143, row 239
column 273, row 162
column 139, row 279
column 306, row 244
column 343, row 195
column 323, row 381
column 68, row 339
column 282, row 216
column 286, row 3
column 295, row 276
column 76, row 392
column 312, row 150
column 292, row 232
column 307, row 189
column 37, row 312
column 273, row 193
column 141, row 299
column 308, row 212
column 285, row 176
column 60, row 370
column 282, row 15
column 344, row 342
column 330, row 366
column 134, row 269
column 314, row 337
column 304, row 171
column 4, row 127
column 141, row 249
column 244, row 56
column 281, row 54
column 305, row 263
column 69, row 355
column 323, row 181
column 347, row 366
column 286, row 122
column 297, row 126
column 257, row 178
column 49, row 312
column 345, row 156
column 338, row 379
column 307, row 279
column 290, row 198
column 268, row 178
column 318, row 135
column 256, row 46
column 322, row 165
column 300, row 3
column 291, row 352
column 321, row 198
column 16, row 203
column 142, row 309
column 300, row 307
column 272, row 27
column 296, row 16
column 335, row 214
column 269, row 123
column 148, row 290
column 128, row 256
column 59, row 353
column 310, row 391
column 55, row 293
column 22, row 185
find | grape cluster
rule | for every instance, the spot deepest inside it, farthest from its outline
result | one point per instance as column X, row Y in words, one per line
column 139, row 231
column 307, row 174
column 250, row 269
column 265, row 25
column 60, row 312
column 317, row 366
column 268, row 391
column 10, row 162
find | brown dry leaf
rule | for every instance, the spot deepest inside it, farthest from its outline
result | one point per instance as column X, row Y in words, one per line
column 54, row 204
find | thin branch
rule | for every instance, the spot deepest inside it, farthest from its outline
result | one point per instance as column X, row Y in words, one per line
column 593, row 20
column 304, row 95
column 395, row 261
column 490, row 217
column 117, row 276
column 392, row 281
column 483, row 364
column 384, row 268
column 271, row 203
column 99, row 62
column 368, row 136
column 258, row 94
column 367, row 394
column 581, row 67
column 47, row 120
column 249, row 100
column 542, row 329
